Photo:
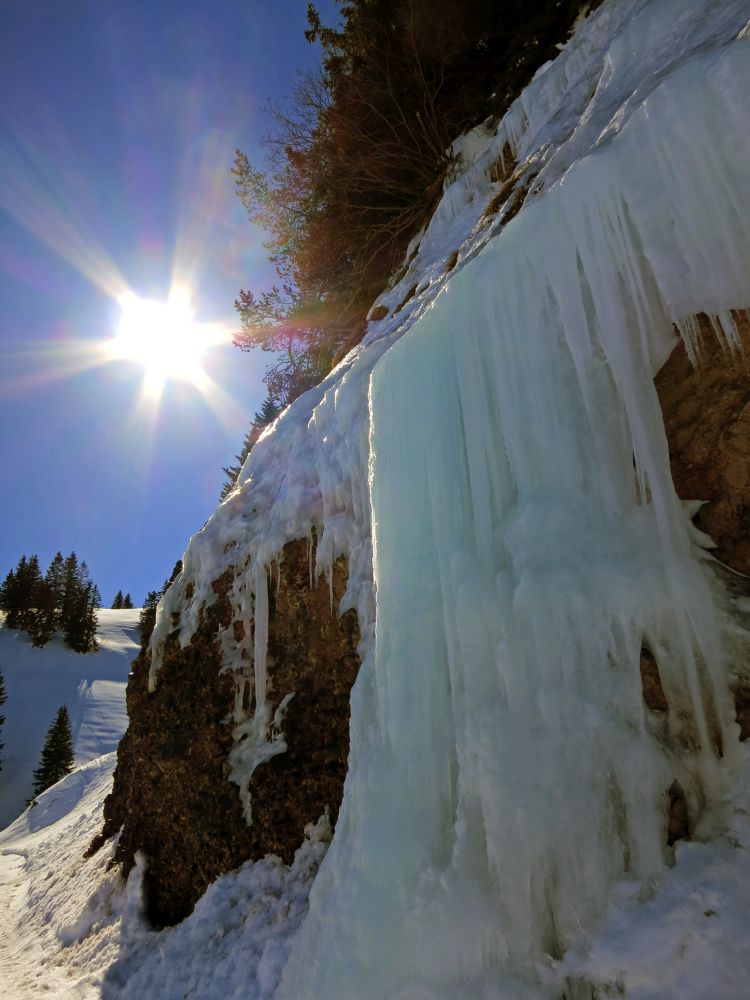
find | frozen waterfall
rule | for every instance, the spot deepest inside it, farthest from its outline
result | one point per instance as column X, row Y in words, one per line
column 527, row 541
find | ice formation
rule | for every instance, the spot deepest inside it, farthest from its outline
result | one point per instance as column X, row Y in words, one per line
column 512, row 531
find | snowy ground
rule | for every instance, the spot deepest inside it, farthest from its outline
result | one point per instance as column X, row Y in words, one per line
column 71, row 929
column 39, row 681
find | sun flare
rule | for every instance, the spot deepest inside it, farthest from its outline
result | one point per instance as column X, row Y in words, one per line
column 165, row 339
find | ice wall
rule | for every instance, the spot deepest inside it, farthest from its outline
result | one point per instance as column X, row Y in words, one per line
column 527, row 539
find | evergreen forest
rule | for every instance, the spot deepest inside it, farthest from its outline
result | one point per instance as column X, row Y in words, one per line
column 63, row 601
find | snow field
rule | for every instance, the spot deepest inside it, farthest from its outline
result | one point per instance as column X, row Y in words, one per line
column 38, row 681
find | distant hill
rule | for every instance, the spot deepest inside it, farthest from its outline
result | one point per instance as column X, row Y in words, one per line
column 38, row 681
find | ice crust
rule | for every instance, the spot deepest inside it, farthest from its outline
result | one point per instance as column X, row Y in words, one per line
column 493, row 464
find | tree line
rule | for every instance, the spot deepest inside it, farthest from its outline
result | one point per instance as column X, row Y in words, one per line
column 357, row 157
column 64, row 600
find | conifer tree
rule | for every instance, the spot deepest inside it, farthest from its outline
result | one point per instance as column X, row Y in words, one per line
column 19, row 592
column 3, row 699
column 147, row 618
column 71, row 587
column 6, row 591
column 91, row 622
column 57, row 754
column 127, row 602
column 41, row 619
column 117, row 603
column 80, row 630
column 55, row 577
column 263, row 417
column 47, row 603
column 31, row 584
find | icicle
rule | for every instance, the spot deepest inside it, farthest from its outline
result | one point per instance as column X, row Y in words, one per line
column 260, row 635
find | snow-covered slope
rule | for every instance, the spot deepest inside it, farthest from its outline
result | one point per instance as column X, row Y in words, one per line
column 493, row 464
column 71, row 930
column 39, row 681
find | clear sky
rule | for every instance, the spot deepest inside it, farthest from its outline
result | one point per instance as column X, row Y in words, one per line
column 118, row 125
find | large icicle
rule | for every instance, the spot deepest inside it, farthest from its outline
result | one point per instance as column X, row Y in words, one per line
column 504, row 770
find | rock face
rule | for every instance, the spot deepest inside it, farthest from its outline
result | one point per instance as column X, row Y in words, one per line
column 707, row 418
column 172, row 798
column 312, row 653
column 706, row 410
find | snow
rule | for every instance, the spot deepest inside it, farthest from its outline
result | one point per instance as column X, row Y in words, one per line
column 39, row 681
column 492, row 462
column 686, row 938
column 71, row 928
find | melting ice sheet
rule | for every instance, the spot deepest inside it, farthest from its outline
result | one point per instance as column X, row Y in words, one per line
column 504, row 770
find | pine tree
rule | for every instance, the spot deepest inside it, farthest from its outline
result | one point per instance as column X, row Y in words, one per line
column 71, row 589
column 93, row 603
column 127, row 602
column 18, row 593
column 48, row 602
column 147, row 618
column 42, row 623
column 31, row 585
column 57, row 754
column 80, row 631
column 16, row 599
column 117, row 603
column 3, row 699
column 6, row 591
column 55, row 577
column 263, row 417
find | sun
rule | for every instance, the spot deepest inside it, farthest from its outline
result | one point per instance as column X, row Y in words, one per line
column 165, row 339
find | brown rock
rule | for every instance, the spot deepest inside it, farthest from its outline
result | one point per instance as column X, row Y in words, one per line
column 378, row 313
column 407, row 298
column 314, row 655
column 742, row 706
column 504, row 165
column 451, row 262
column 707, row 419
column 653, row 692
column 172, row 798
column 677, row 814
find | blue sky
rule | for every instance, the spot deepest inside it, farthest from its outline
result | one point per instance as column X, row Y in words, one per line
column 118, row 125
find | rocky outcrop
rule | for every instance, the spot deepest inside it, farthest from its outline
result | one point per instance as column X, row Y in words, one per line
column 312, row 653
column 706, row 410
column 172, row 797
